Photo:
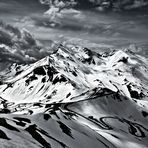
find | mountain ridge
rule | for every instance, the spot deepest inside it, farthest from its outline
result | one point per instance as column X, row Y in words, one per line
column 78, row 69
column 76, row 95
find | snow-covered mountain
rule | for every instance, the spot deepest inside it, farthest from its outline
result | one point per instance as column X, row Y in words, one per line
column 76, row 98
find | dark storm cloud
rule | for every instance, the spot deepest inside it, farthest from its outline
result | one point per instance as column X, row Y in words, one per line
column 56, row 17
column 6, row 7
column 18, row 46
column 19, row 7
column 81, row 22
column 97, row 4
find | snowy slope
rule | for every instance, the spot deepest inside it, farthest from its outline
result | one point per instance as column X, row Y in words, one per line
column 75, row 98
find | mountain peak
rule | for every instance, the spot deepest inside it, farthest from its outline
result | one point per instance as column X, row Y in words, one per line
column 76, row 90
column 71, row 74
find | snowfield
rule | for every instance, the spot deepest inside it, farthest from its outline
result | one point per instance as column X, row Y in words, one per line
column 76, row 98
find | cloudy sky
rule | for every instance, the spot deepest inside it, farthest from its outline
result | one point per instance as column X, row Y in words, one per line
column 93, row 29
column 74, row 26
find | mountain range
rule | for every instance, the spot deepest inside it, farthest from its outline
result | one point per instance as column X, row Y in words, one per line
column 76, row 97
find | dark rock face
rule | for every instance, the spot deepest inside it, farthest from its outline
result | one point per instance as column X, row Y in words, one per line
column 145, row 114
column 39, row 71
column 30, row 79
